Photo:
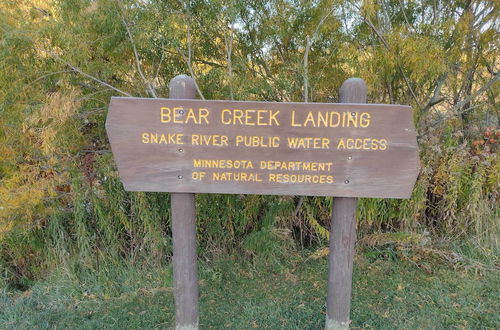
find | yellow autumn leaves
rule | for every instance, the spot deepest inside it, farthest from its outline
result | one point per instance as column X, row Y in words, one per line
column 49, row 131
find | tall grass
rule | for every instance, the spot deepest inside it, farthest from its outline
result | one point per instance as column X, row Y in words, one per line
column 80, row 217
column 98, row 225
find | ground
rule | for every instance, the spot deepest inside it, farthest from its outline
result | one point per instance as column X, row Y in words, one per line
column 391, row 290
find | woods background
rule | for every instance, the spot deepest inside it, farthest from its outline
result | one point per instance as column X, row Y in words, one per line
column 61, row 201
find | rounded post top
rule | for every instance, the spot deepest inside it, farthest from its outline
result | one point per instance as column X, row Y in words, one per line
column 182, row 87
column 353, row 90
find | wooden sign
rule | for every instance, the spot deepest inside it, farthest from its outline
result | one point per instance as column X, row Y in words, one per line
column 320, row 149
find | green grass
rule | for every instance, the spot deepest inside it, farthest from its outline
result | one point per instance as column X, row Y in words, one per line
column 389, row 292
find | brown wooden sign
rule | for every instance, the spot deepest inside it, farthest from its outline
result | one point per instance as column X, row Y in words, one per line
column 320, row 149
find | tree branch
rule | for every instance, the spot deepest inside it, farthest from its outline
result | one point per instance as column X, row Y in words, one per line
column 407, row 81
column 436, row 98
column 321, row 21
column 306, row 99
column 401, row 4
column 76, row 69
column 228, row 43
column 149, row 86
column 189, row 61
column 446, row 117
column 309, row 42
column 476, row 93
column 48, row 75
column 467, row 100
column 159, row 65
column 306, row 71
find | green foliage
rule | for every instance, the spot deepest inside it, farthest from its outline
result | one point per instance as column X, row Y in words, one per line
column 388, row 292
column 61, row 202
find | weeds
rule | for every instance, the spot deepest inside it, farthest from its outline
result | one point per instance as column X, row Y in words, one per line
column 391, row 289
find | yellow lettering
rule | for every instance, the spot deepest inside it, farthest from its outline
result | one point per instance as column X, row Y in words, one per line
column 364, row 119
column 367, row 143
column 171, row 138
column 165, row 116
column 309, row 118
column 332, row 123
column 209, row 140
column 308, row 143
column 293, row 120
column 358, row 144
column 258, row 141
column 272, row 117
column 237, row 116
column 223, row 140
column 383, row 144
column 323, row 119
column 223, row 118
column 260, row 118
column 341, row 144
column 352, row 118
column 191, row 116
column 203, row 115
column 248, row 118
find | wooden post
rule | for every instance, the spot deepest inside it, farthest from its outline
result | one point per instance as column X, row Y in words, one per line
column 343, row 235
column 184, row 234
